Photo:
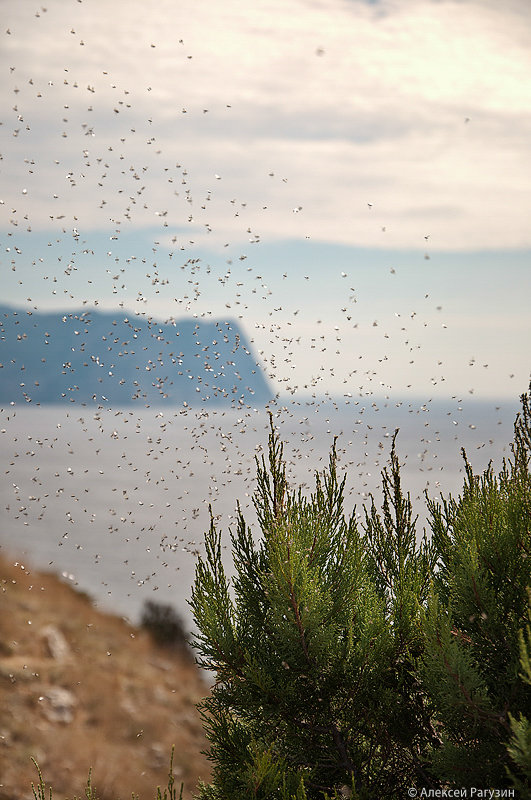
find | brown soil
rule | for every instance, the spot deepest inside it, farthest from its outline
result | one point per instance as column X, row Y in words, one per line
column 82, row 689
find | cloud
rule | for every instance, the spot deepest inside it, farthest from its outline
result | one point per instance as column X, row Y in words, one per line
column 419, row 108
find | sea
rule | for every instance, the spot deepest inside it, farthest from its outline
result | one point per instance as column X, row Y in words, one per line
column 117, row 501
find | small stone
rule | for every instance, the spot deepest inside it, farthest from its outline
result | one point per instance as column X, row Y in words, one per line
column 58, row 704
column 56, row 643
column 5, row 737
column 157, row 755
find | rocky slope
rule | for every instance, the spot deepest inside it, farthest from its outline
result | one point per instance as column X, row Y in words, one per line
column 82, row 689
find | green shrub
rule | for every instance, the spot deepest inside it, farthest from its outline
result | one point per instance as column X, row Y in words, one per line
column 474, row 622
column 315, row 654
column 164, row 625
column 361, row 662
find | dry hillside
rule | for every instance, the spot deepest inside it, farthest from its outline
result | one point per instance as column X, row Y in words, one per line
column 82, row 689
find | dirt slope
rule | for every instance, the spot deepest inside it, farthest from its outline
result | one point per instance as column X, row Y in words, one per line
column 80, row 689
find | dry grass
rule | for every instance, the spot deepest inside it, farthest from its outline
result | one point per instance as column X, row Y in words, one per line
column 133, row 701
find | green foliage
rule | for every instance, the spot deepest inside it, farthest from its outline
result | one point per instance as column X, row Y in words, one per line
column 358, row 662
column 474, row 619
column 170, row 793
column 41, row 792
column 519, row 747
column 314, row 651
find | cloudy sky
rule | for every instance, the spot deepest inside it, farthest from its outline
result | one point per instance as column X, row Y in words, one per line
column 350, row 179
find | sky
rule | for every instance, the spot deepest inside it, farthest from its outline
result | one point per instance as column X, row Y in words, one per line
column 349, row 179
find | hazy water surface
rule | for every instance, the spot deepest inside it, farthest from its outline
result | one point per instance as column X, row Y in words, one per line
column 117, row 499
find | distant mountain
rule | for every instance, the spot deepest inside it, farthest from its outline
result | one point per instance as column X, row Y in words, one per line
column 113, row 358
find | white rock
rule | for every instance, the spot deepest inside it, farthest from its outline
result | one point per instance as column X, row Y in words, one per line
column 58, row 704
column 55, row 642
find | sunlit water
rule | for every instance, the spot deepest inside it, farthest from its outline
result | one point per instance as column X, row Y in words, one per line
column 118, row 500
